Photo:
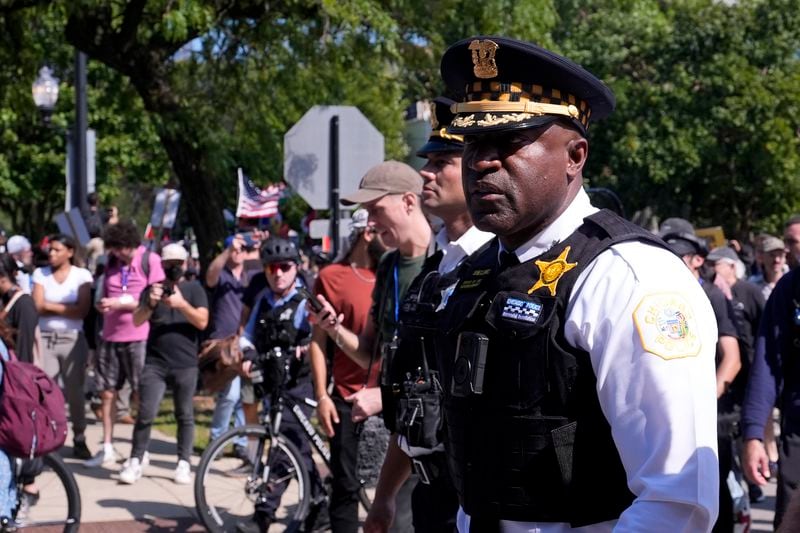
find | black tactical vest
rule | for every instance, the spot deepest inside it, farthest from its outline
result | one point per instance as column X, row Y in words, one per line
column 534, row 446
column 413, row 390
column 275, row 328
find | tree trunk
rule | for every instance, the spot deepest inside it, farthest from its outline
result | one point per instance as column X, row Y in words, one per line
column 202, row 202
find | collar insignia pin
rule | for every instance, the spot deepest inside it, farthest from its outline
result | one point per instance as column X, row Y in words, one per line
column 551, row 271
column 483, row 58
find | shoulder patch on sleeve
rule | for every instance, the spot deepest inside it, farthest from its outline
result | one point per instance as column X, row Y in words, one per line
column 667, row 326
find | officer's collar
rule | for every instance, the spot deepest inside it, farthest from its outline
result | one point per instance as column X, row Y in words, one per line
column 274, row 300
column 561, row 228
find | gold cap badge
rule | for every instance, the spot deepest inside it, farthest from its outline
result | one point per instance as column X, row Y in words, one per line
column 551, row 271
column 483, row 58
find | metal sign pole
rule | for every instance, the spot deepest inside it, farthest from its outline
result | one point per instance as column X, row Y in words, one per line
column 81, row 121
column 334, row 183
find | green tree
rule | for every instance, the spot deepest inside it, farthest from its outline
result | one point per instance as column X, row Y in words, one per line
column 33, row 156
column 707, row 100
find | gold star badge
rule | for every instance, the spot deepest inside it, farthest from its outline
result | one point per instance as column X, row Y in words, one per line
column 551, row 271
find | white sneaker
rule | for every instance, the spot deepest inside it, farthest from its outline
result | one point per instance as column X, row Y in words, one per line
column 145, row 461
column 183, row 473
column 105, row 457
column 132, row 472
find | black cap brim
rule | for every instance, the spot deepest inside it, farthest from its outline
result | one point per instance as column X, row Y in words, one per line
column 439, row 146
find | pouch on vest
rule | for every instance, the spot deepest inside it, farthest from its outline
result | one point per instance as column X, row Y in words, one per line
column 419, row 417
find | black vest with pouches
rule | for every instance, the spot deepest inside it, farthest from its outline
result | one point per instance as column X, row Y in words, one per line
column 535, row 445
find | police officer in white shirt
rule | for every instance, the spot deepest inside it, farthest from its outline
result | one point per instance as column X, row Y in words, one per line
column 576, row 352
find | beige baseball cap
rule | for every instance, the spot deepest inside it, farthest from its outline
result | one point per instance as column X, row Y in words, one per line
column 174, row 252
column 770, row 244
column 389, row 177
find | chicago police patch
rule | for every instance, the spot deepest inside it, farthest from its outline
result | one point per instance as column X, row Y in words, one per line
column 667, row 326
column 521, row 310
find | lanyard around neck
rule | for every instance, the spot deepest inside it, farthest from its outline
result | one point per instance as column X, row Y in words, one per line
column 124, row 274
column 396, row 298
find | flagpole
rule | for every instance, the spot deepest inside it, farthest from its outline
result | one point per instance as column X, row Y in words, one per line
column 236, row 219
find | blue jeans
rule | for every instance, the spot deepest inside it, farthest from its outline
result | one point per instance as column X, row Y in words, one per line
column 8, row 488
column 229, row 403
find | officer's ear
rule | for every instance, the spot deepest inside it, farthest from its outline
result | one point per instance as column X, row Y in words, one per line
column 577, row 153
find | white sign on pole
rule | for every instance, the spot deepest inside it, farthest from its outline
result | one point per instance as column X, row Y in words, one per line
column 71, row 223
column 91, row 143
column 306, row 157
column 165, row 209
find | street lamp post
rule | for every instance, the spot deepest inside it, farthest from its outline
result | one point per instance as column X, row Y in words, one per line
column 45, row 95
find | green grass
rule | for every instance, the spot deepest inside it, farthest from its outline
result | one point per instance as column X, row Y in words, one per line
column 166, row 422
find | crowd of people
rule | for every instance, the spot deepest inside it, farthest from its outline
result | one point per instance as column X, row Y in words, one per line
column 538, row 364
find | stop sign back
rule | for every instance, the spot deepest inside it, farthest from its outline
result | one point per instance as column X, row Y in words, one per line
column 306, row 152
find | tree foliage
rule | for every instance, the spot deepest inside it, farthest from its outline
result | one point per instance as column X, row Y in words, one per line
column 186, row 91
column 706, row 125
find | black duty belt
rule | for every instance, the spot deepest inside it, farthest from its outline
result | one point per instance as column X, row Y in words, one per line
column 429, row 467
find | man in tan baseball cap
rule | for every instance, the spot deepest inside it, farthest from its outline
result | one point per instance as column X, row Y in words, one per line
column 389, row 177
column 390, row 192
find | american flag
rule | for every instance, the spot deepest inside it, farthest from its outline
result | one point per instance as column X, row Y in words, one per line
column 255, row 202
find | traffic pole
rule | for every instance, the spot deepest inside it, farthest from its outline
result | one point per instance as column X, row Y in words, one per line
column 334, row 183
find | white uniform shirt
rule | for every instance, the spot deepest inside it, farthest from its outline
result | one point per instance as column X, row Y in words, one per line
column 662, row 409
column 454, row 253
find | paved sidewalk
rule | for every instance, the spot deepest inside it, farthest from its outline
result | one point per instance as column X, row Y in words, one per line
column 155, row 503
column 154, row 498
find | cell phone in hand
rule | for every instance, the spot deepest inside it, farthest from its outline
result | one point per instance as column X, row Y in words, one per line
column 316, row 305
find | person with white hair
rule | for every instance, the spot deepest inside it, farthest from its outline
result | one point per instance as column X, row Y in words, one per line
column 747, row 302
column 19, row 247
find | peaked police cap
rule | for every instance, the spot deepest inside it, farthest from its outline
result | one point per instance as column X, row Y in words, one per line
column 509, row 84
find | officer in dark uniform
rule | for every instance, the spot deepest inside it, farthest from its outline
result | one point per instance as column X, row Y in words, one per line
column 576, row 351
column 278, row 328
column 411, row 387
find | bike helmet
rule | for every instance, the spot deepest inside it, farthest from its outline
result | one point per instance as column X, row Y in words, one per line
column 276, row 249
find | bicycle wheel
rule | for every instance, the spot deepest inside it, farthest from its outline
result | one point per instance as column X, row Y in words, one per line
column 60, row 500
column 226, row 494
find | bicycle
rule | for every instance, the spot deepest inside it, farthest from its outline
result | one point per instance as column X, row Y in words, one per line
column 223, row 500
column 60, row 502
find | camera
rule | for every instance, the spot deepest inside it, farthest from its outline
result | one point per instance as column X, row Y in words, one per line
column 168, row 288
column 270, row 370
column 470, row 364
column 249, row 242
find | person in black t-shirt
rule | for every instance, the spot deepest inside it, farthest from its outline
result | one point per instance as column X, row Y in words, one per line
column 680, row 237
column 178, row 312
column 747, row 299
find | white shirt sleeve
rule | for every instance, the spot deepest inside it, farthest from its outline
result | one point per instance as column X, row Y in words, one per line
column 37, row 276
column 84, row 277
column 651, row 335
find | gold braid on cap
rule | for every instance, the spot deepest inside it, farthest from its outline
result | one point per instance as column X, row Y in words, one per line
column 442, row 132
column 533, row 108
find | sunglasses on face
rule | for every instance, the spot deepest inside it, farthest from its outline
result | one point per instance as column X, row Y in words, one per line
column 273, row 268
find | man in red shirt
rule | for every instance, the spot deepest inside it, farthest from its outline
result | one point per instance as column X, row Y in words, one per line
column 348, row 285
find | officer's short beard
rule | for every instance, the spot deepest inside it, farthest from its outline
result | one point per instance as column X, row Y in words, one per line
column 376, row 249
